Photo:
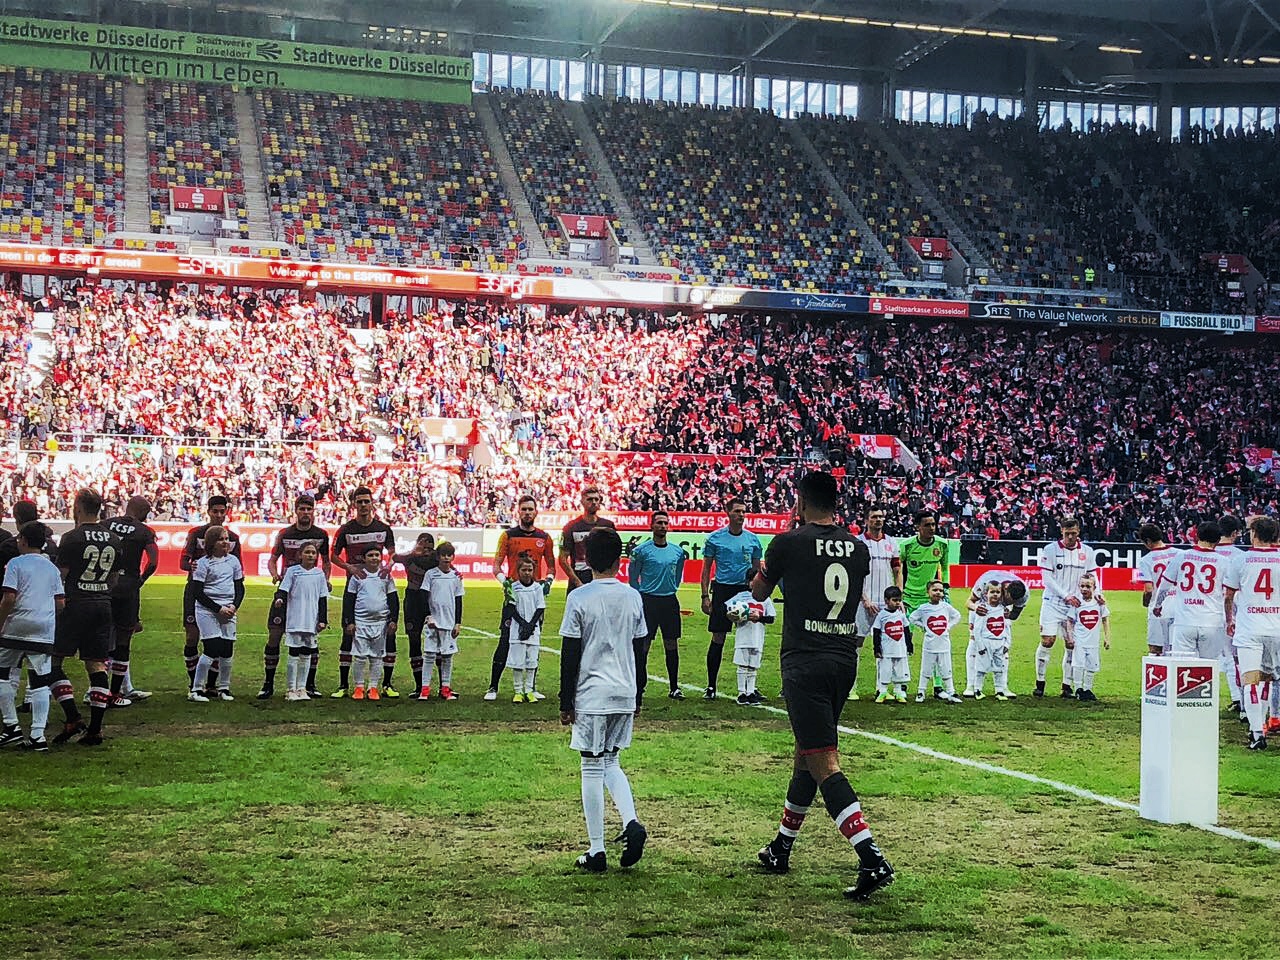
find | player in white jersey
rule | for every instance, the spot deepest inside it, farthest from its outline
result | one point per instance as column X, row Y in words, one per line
column 1013, row 597
column 1193, row 591
column 1062, row 564
column 1252, row 607
column 886, row 571
column 1230, row 529
column 1151, row 567
column 936, row 620
column 1093, row 623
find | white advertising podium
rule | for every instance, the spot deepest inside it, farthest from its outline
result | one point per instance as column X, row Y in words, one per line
column 1179, row 740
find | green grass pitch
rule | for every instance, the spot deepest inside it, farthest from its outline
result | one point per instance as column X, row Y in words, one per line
column 338, row 828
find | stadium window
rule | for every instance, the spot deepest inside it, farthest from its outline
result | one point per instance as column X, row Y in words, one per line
column 1005, row 109
column 1267, row 118
column 778, row 98
column 500, row 71
column 1109, row 113
column 688, row 86
column 1057, row 114
column 634, row 85
column 725, row 90
column 988, row 104
column 1142, row 116
column 479, row 70
column 848, row 99
column 538, row 73
column 970, row 106
column 708, row 84
column 652, row 83
column 919, row 105
column 937, row 107
column 1231, row 116
column 760, row 93
column 813, row 97
column 795, row 98
column 519, row 72
column 955, row 109
column 577, row 79
column 831, row 98
column 671, row 85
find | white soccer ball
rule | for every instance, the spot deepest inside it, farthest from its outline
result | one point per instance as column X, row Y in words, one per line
column 738, row 610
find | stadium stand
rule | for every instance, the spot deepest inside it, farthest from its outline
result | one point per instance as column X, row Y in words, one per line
column 200, row 366
column 192, row 142
column 62, row 140
column 727, row 199
column 384, row 181
column 553, row 164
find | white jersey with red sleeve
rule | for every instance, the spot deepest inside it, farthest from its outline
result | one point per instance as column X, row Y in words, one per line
column 1255, row 576
column 1062, row 568
column 1151, row 567
column 884, row 560
column 1194, row 589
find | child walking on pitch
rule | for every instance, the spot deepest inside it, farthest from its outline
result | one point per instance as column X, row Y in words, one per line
column 443, row 588
column 748, row 643
column 218, row 585
column 304, row 595
column 529, row 607
column 371, row 611
column 935, row 619
column 891, row 639
column 1093, row 620
column 991, row 632
column 603, row 635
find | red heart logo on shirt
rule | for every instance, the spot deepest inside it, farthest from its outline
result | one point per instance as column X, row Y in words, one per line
column 995, row 626
column 937, row 625
column 1089, row 618
column 893, row 630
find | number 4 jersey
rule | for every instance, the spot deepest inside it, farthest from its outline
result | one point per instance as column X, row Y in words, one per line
column 821, row 568
column 1256, row 575
column 1196, row 589
column 90, row 554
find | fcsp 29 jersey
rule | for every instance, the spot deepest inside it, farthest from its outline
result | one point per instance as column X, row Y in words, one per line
column 90, row 554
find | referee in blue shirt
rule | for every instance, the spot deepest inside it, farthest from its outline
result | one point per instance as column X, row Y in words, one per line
column 657, row 570
column 735, row 553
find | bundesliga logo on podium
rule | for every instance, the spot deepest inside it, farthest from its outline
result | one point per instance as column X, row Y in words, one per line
column 1156, row 684
column 1195, row 686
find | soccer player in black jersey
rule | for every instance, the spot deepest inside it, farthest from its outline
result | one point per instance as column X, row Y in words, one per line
column 90, row 558
column 138, row 541
column 821, row 567
column 284, row 554
column 349, row 544
column 193, row 550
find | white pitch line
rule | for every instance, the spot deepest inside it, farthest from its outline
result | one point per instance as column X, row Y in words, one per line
column 1058, row 785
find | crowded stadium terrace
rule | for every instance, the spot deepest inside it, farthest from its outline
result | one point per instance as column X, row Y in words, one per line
column 185, row 390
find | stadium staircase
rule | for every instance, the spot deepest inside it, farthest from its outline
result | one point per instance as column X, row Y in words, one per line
column 978, row 264
column 383, row 440
column 137, row 165
column 257, row 211
column 511, row 183
column 868, row 236
column 1140, row 218
column 630, row 225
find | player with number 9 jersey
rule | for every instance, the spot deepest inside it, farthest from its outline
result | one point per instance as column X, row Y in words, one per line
column 821, row 569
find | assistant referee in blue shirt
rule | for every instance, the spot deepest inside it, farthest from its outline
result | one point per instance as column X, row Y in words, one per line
column 734, row 553
column 657, row 570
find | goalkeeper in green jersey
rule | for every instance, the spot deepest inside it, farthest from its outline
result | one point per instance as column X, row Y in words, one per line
column 925, row 557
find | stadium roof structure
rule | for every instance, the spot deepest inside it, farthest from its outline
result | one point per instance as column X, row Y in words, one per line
column 1121, row 47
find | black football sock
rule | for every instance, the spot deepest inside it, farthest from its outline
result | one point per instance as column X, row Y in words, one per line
column 387, row 670
column 673, row 668
column 63, row 692
column 191, row 654
column 99, row 697
column 311, row 671
column 800, row 793
column 842, row 803
column 715, row 653
column 270, row 661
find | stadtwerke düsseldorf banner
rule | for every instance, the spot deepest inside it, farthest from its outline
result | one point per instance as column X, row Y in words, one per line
column 248, row 62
